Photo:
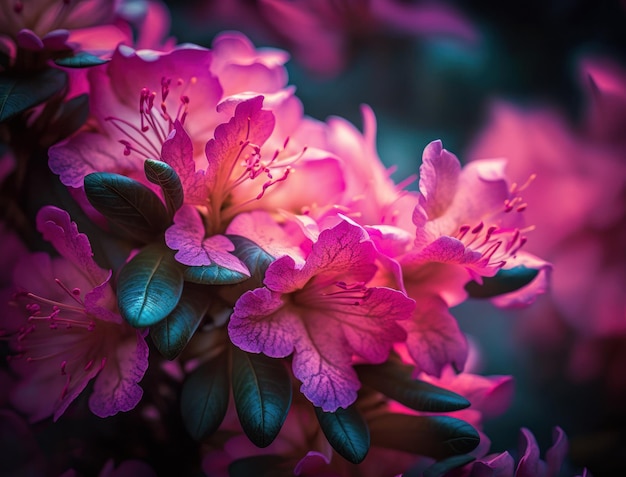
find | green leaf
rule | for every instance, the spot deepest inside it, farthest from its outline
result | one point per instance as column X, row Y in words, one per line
column 204, row 397
column 19, row 93
column 73, row 114
column 256, row 259
column 213, row 275
column 346, row 431
column 394, row 380
column 80, row 60
column 505, row 281
column 171, row 335
column 262, row 393
column 261, row 466
column 441, row 468
column 127, row 204
column 149, row 286
column 167, row 179
column 434, row 436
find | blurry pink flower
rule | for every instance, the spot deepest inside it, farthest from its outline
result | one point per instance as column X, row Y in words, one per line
column 577, row 201
column 333, row 26
column 529, row 464
column 286, row 315
column 57, row 28
column 67, row 329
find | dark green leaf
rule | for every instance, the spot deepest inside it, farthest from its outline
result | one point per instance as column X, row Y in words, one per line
column 204, row 397
column 256, row 259
column 394, row 380
column 213, row 275
column 149, row 286
column 167, row 179
column 441, row 468
column 262, row 393
column 505, row 281
column 80, row 60
column 261, row 466
column 172, row 334
column 72, row 115
column 434, row 436
column 346, row 431
column 19, row 93
column 127, row 204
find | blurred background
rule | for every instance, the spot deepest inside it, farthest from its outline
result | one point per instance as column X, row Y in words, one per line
column 542, row 82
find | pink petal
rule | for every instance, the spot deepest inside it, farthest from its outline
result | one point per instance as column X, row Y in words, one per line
column 249, row 124
column 116, row 387
column 57, row 228
column 499, row 465
column 528, row 294
column 260, row 324
column 29, row 40
column 439, row 176
column 529, row 464
column 89, row 152
column 177, row 151
column 434, row 338
column 56, row 40
column 187, row 236
column 556, row 454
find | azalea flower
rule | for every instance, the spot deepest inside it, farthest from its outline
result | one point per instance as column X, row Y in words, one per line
column 584, row 161
column 468, row 225
column 329, row 287
column 67, row 331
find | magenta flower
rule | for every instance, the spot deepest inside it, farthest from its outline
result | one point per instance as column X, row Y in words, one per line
column 323, row 313
column 469, row 225
column 585, row 161
column 68, row 331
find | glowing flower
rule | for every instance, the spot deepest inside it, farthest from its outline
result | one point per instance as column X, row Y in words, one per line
column 323, row 312
column 68, row 331
column 469, row 225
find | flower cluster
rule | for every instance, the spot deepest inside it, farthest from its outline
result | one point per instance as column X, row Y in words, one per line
column 213, row 256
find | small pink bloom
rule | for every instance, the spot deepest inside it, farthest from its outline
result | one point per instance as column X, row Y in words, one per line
column 324, row 314
column 68, row 330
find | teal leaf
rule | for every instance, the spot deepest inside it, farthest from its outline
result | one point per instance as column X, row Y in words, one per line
column 505, row 281
column 261, row 466
column 127, row 204
column 19, row 93
column 262, row 393
column 394, row 380
column 204, row 397
column 81, row 59
column 171, row 335
column 346, row 431
column 441, row 468
column 434, row 436
column 256, row 259
column 149, row 286
column 213, row 274
column 167, row 179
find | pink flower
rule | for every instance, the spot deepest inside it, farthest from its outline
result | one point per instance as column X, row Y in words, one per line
column 577, row 206
column 332, row 26
column 469, row 225
column 323, row 312
column 68, row 330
